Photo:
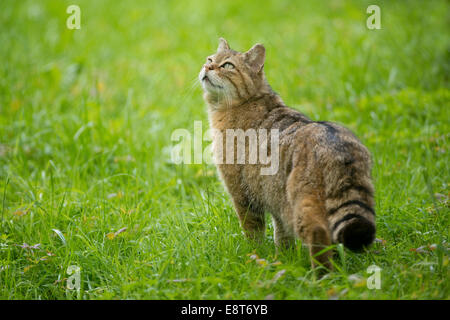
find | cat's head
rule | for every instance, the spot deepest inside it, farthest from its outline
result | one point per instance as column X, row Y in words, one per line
column 229, row 77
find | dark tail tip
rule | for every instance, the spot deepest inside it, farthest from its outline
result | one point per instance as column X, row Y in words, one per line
column 357, row 234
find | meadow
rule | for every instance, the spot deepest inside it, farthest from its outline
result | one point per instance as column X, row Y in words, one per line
column 86, row 118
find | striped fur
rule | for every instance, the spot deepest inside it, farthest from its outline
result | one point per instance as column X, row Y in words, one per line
column 322, row 192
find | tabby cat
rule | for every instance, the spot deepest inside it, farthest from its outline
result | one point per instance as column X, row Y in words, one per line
column 322, row 191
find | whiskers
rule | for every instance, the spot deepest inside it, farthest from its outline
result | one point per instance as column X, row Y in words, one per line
column 193, row 84
column 225, row 92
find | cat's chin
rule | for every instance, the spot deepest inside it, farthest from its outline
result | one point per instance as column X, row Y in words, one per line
column 207, row 83
column 213, row 90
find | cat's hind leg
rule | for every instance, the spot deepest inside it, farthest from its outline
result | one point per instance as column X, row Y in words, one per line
column 311, row 226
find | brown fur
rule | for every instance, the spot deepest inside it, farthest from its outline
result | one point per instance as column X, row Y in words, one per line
column 322, row 192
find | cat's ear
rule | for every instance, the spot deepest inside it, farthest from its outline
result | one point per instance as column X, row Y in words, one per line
column 255, row 57
column 223, row 45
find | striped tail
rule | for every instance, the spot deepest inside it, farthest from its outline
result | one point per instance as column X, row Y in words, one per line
column 352, row 223
column 348, row 190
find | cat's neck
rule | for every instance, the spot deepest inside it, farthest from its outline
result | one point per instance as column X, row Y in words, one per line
column 244, row 114
column 264, row 94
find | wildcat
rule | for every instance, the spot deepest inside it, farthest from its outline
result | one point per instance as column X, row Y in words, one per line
column 322, row 192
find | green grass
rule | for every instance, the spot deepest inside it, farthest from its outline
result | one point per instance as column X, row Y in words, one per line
column 85, row 123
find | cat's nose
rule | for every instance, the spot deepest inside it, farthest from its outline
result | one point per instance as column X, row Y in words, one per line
column 209, row 66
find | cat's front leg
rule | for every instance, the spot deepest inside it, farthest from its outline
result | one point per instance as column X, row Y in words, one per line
column 282, row 238
column 250, row 214
column 252, row 219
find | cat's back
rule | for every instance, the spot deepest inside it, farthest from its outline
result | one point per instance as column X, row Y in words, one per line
column 326, row 140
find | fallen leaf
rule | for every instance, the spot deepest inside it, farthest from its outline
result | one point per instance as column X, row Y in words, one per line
column 332, row 294
column 27, row 268
column 20, row 213
column 120, row 231
column 278, row 275
column 423, row 249
column 361, row 283
column 111, row 235
column 262, row 262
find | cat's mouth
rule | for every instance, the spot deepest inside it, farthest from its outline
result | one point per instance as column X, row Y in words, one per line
column 206, row 80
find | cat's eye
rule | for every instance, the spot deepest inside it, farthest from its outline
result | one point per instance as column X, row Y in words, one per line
column 209, row 60
column 227, row 65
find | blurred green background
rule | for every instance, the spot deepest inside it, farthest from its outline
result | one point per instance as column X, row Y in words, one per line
column 85, row 123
